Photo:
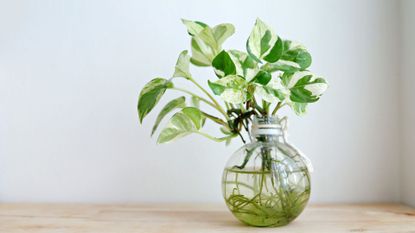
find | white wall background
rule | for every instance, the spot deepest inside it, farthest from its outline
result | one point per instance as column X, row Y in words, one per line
column 70, row 73
column 408, row 105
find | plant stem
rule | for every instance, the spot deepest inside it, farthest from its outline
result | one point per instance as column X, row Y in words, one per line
column 279, row 105
column 214, row 138
column 195, row 95
column 218, row 106
column 216, row 119
column 256, row 106
column 265, row 106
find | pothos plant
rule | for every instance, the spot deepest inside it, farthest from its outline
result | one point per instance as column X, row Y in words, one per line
column 270, row 74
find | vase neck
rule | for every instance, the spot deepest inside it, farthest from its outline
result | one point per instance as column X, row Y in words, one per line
column 266, row 129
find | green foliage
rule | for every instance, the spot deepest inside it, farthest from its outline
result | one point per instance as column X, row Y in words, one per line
column 271, row 74
column 231, row 89
column 299, row 108
column 150, row 96
column 188, row 120
column 282, row 65
column 206, row 42
column 170, row 106
column 304, row 87
column 223, row 64
column 263, row 43
column 246, row 66
column 296, row 53
column 262, row 77
column 182, row 66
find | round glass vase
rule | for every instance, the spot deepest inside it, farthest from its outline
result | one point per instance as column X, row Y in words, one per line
column 266, row 183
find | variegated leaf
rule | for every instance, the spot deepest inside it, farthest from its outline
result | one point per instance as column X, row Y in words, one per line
column 170, row 106
column 222, row 32
column 296, row 53
column 263, row 43
column 206, row 42
column 272, row 92
column 150, row 95
column 188, row 120
column 245, row 65
column 304, row 86
column 231, row 89
column 223, row 64
column 182, row 65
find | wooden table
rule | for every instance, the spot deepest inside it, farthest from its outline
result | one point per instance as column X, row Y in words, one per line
column 196, row 218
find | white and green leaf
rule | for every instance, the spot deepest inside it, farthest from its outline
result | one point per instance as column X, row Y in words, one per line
column 188, row 120
column 231, row 89
column 262, row 78
column 304, row 87
column 182, row 65
column 223, row 64
column 222, row 32
column 150, row 96
column 263, row 43
column 272, row 92
column 296, row 53
column 207, row 42
column 170, row 106
column 245, row 65
column 195, row 101
column 299, row 108
column 202, row 54
column 294, row 57
column 282, row 65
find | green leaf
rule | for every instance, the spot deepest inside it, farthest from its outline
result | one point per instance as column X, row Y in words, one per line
column 206, row 42
column 232, row 81
column 195, row 101
column 202, row 54
column 231, row 89
column 182, row 66
column 245, row 65
column 282, row 65
column 276, row 51
column 223, row 64
column 294, row 58
column 262, row 78
column 216, row 88
column 188, row 120
column 304, row 86
column 262, row 41
column 204, row 48
column 297, row 53
column 150, row 96
column 272, row 92
column 275, row 92
column 207, row 36
column 223, row 32
column 196, row 116
column 203, row 43
column 170, row 106
column 299, row 108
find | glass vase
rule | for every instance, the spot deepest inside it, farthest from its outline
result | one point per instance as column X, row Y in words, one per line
column 266, row 183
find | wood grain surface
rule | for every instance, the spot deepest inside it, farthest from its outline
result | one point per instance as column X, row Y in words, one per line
column 195, row 218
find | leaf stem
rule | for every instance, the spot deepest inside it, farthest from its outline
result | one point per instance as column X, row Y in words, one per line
column 214, row 138
column 219, row 107
column 193, row 94
column 265, row 106
column 215, row 119
column 279, row 105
